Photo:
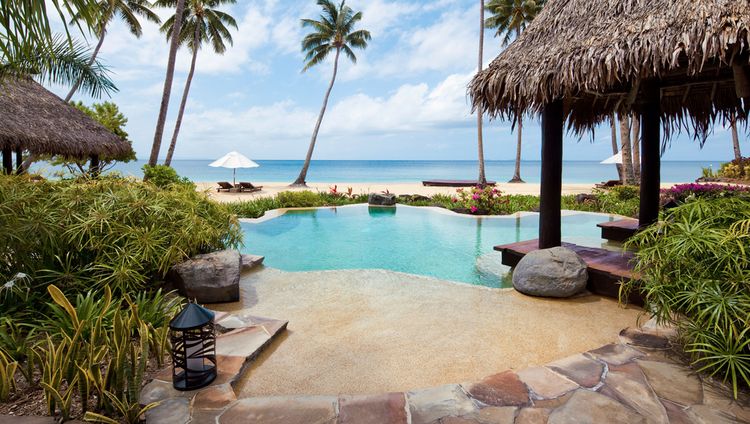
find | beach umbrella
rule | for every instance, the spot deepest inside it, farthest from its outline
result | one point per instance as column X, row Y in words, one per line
column 616, row 158
column 233, row 160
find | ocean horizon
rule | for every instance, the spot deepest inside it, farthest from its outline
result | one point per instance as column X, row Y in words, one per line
column 358, row 171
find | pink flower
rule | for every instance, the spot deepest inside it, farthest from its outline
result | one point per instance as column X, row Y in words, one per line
column 475, row 196
column 455, row 200
column 473, row 209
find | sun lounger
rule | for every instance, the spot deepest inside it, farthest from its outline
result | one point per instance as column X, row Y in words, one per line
column 608, row 184
column 223, row 185
column 249, row 187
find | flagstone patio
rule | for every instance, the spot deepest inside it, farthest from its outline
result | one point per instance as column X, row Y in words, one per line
column 635, row 380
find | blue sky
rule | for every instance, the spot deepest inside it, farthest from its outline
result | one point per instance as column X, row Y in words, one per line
column 404, row 99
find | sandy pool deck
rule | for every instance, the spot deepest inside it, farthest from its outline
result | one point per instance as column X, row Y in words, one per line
column 373, row 331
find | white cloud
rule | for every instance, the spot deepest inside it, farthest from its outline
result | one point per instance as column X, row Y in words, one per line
column 411, row 107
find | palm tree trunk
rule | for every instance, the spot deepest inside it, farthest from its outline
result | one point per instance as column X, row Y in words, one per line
column 300, row 181
column 178, row 123
column 77, row 85
column 517, row 172
column 736, row 146
column 627, row 159
column 735, row 140
column 481, row 179
column 173, row 46
column 615, row 148
column 636, row 140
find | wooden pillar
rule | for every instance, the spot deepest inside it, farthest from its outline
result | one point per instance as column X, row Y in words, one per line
column 551, row 183
column 19, row 161
column 7, row 161
column 94, row 167
column 650, row 154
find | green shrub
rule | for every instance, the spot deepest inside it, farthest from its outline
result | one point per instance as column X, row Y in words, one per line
column 695, row 268
column 110, row 232
column 736, row 169
column 164, row 176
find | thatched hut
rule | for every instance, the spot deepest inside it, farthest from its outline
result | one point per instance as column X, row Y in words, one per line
column 681, row 65
column 35, row 120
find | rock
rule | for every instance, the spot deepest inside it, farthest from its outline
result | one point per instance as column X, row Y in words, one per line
column 585, row 198
column 430, row 405
column 382, row 199
column 591, row 407
column 171, row 411
column 503, row 389
column 210, row 278
column 555, row 272
column 250, row 261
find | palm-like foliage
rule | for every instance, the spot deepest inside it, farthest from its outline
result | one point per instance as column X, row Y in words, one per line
column 333, row 33
column 28, row 45
column 509, row 18
column 201, row 23
column 105, row 11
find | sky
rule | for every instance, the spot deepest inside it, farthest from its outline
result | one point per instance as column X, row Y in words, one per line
column 405, row 98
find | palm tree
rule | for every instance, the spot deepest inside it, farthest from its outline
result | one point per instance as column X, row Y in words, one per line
column 482, row 179
column 201, row 23
column 615, row 147
column 636, row 140
column 174, row 44
column 627, row 158
column 128, row 10
column 510, row 18
column 334, row 32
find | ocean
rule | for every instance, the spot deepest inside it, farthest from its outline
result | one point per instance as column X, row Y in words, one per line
column 354, row 171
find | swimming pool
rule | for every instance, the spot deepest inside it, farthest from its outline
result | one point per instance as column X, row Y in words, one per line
column 408, row 239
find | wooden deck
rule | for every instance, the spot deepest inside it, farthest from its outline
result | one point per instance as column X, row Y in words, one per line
column 606, row 268
column 619, row 230
column 453, row 183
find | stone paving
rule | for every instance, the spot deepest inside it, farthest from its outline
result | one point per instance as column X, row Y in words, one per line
column 636, row 380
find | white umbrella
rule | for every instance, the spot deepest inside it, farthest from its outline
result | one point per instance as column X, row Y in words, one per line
column 233, row 160
column 616, row 158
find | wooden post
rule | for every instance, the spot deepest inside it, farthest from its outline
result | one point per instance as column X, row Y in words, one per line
column 7, row 161
column 94, row 166
column 650, row 154
column 19, row 161
column 551, row 183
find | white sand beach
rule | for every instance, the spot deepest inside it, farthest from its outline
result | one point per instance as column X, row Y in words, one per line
column 273, row 188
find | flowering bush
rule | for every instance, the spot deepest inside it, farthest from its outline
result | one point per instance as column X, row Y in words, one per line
column 481, row 201
column 681, row 193
column 736, row 169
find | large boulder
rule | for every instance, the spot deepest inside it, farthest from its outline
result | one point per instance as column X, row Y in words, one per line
column 555, row 272
column 382, row 199
column 209, row 278
column 251, row 261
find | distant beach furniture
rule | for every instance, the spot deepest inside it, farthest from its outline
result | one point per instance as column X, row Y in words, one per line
column 233, row 160
column 454, row 183
column 224, row 185
column 248, row 187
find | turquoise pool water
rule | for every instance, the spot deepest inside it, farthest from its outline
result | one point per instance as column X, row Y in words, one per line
column 406, row 239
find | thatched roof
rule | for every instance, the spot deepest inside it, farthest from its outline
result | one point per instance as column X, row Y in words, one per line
column 34, row 119
column 594, row 54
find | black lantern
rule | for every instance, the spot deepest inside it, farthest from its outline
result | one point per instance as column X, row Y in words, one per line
column 193, row 348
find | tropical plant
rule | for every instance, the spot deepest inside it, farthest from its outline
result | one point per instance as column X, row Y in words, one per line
column 738, row 169
column 104, row 11
column 201, row 23
column 681, row 193
column 333, row 33
column 510, row 18
column 163, row 176
column 481, row 200
column 111, row 232
column 29, row 46
column 174, row 44
column 627, row 157
column 695, row 268
column 7, row 375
